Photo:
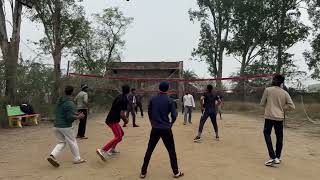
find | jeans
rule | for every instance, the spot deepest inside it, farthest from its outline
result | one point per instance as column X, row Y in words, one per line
column 187, row 114
column 82, row 123
column 278, row 127
column 205, row 116
column 66, row 136
column 167, row 138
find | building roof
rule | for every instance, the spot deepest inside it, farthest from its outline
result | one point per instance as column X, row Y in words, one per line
column 147, row 65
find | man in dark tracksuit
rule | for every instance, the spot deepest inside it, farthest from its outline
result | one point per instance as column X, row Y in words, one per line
column 132, row 103
column 208, row 102
column 159, row 109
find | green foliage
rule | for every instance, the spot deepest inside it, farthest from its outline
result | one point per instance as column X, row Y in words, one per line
column 90, row 55
column 103, row 43
column 189, row 74
column 65, row 19
column 286, row 29
column 248, row 29
column 215, row 19
column 249, row 25
column 313, row 57
column 34, row 81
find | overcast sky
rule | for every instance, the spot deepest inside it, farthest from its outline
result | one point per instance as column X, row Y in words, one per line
column 161, row 31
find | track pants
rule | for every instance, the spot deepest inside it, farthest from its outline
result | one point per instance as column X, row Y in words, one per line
column 118, row 134
column 66, row 136
column 167, row 138
column 204, row 118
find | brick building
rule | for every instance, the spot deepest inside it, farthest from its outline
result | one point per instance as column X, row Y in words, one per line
column 147, row 70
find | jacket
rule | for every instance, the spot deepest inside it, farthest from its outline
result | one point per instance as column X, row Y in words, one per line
column 159, row 109
column 65, row 113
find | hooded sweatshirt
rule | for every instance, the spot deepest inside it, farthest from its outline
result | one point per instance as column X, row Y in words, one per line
column 65, row 113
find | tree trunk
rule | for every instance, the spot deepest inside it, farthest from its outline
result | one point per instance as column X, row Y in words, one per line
column 219, row 74
column 12, row 55
column 57, row 51
column 10, row 51
column 57, row 76
column 241, row 84
column 280, row 39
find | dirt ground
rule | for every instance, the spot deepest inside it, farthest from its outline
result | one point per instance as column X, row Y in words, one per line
column 239, row 155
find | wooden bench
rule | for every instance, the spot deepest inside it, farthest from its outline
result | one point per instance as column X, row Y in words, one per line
column 15, row 115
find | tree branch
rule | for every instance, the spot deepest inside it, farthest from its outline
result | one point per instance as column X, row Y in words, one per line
column 49, row 2
column 235, row 57
column 42, row 16
column 213, row 16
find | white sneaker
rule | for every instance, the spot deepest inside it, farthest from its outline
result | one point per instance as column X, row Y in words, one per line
column 113, row 152
column 277, row 161
column 270, row 162
column 101, row 154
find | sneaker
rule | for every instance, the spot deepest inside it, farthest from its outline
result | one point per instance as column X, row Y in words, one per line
column 270, row 162
column 142, row 176
column 197, row 139
column 277, row 161
column 53, row 161
column 101, row 154
column 113, row 152
column 80, row 161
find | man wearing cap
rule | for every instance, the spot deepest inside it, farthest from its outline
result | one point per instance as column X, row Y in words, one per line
column 159, row 109
column 83, row 107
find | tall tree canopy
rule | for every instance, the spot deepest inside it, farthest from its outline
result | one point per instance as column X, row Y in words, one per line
column 313, row 56
column 249, row 26
column 215, row 19
column 104, row 42
column 286, row 30
column 64, row 23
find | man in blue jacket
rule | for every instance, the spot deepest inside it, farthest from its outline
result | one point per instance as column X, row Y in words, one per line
column 160, row 107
